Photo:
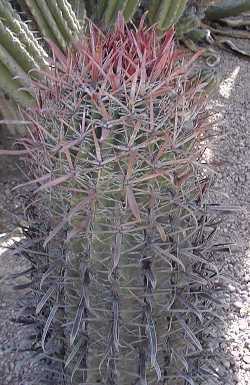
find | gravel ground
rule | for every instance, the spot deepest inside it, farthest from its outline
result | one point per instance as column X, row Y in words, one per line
column 230, row 340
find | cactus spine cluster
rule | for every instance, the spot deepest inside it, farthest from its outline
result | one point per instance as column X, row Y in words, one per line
column 119, row 238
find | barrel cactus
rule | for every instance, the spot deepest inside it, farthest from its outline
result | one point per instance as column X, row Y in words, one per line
column 118, row 235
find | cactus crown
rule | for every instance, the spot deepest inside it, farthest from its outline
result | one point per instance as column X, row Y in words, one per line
column 122, row 240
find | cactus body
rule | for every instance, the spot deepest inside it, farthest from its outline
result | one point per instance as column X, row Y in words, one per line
column 119, row 217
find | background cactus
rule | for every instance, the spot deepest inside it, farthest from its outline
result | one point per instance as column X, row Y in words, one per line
column 163, row 12
column 55, row 20
column 20, row 55
column 117, row 231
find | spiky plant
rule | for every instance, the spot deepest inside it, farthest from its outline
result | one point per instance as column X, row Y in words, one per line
column 117, row 232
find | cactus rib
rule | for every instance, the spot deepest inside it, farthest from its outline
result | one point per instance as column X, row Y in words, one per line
column 69, row 16
column 60, row 20
column 14, row 68
column 51, row 22
column 39, row 19
column 163, row 11
column 16, row 49
column 110, row 10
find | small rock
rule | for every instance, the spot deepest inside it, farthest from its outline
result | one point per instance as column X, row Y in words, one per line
column 243, row 324
column 238, row 305
column 231, row 288
column 247, row 278
column 246, row 358
column 226, row 364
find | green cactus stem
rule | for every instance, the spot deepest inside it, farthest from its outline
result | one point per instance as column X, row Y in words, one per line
column 174, row 13
column 56, row 20
column 111, row 10
column 14, row 88
column 11, row 19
